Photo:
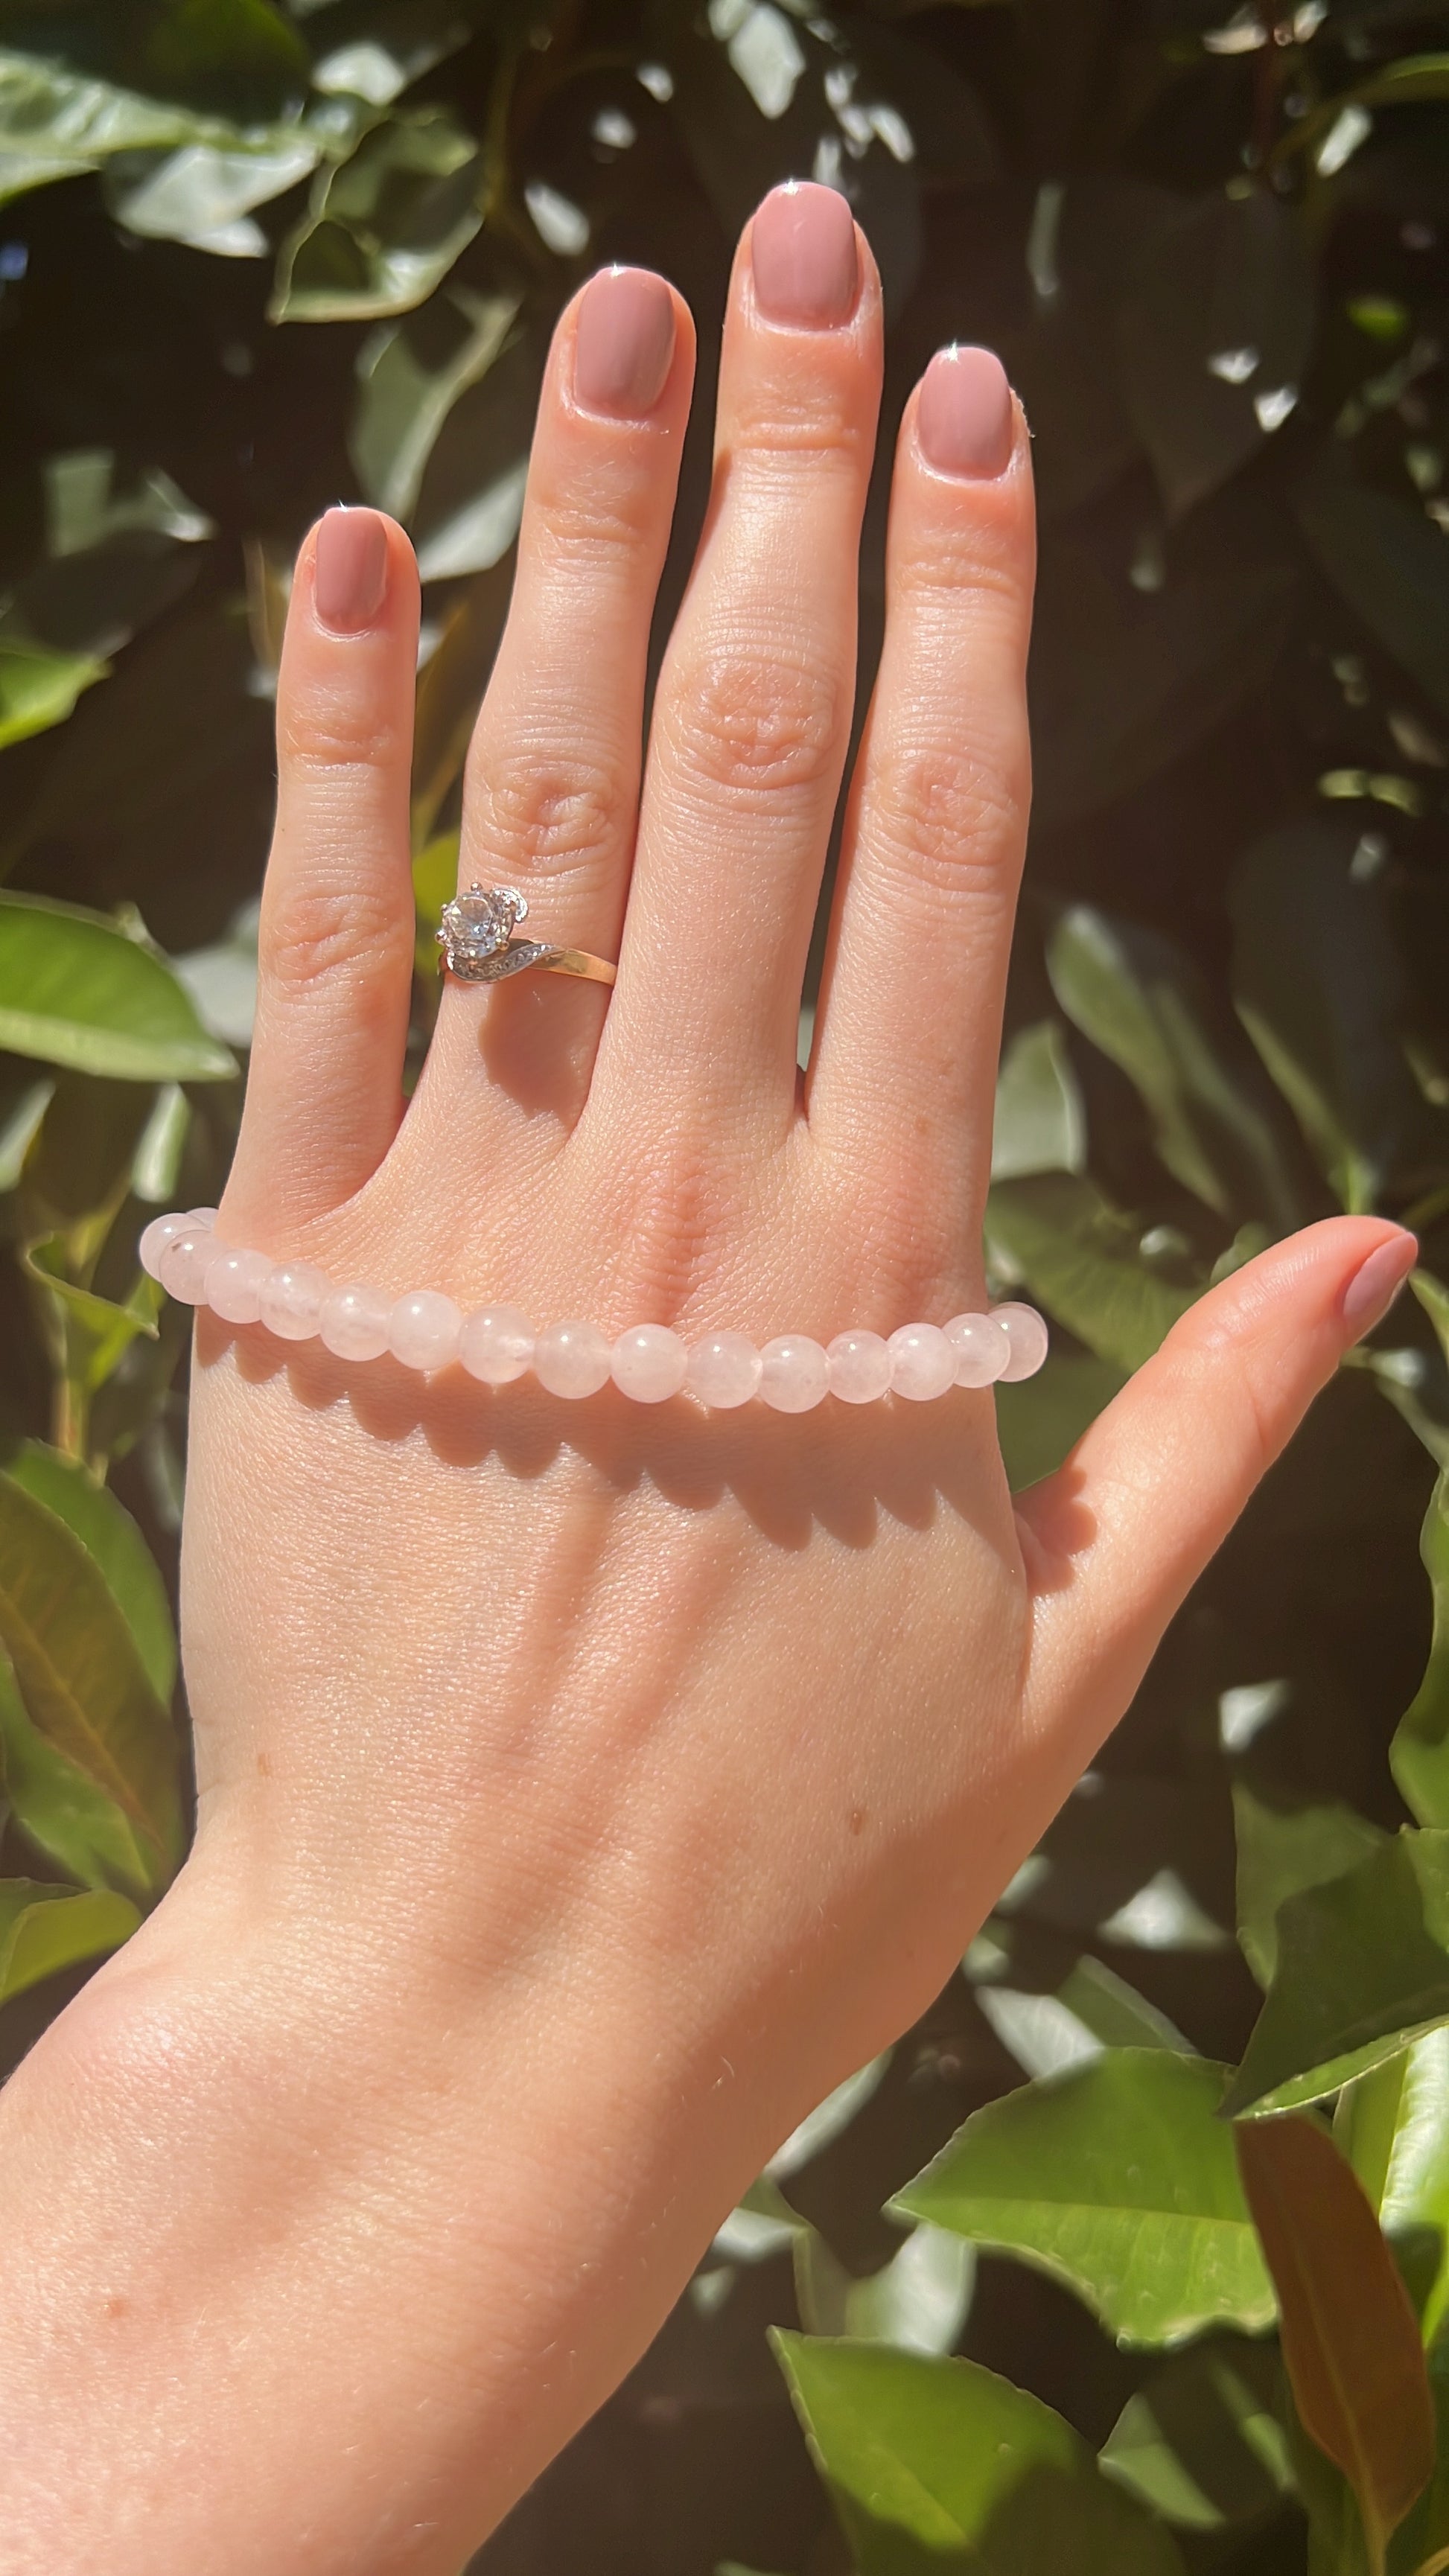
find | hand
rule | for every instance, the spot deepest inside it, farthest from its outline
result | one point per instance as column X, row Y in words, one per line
column 586, row 1787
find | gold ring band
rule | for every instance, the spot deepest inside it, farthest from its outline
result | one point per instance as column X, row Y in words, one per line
column 476, row 944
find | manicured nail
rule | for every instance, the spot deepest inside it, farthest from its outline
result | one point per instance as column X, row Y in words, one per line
column 623, row 342
column 964, row 416
column 802, row 245
column 349, row 569
column 1376, row 1283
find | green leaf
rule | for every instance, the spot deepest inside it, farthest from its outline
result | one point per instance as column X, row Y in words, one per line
column 384, row 228
column 55, row 124
column 412, row 374
column 1391, row 564
column 1393, row 2126
column 85, row 1687
column 44, row 1928
column 918, row 2301
column 91, row 1334
column 1283, row 1851
column 77, row 991
column 1319, row 984
column 38, row 688
column 1419, row 1753
column 1200, row 2443
column 114, row 1545
column 1363, row 1968
column 1040, row 1125
column 1350, row 2338
column 1118, row 2179
column 1079, row 1258
column 1140, row 999
column 205, row 194
column 1040, row 1420
column 76, row 1825
column 936, row 2464
column 1215, row 327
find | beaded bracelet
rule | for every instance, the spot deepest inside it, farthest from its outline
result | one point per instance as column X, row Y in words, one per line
column 426, row 1330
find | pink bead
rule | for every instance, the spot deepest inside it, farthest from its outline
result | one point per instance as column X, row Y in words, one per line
column 723, row 1371
column 203, row 1216
column 424, row 1329
column 923, row 1362
column 497, row 1345
column 1027, row 1335
column 184, row 1263
column 981, row 1347
column 572, row 1359
column 794, row 1373
column 234, row 1284
column 649, row 1363
column 860, row 1367
column 155, row 1237
column 292, row 1300
column 354, row 1322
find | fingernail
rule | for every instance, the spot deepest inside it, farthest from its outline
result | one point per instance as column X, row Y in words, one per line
column 623, row 342
column 349, row 569
column 802, row 248
column 964, row 417
column 1376, row 1283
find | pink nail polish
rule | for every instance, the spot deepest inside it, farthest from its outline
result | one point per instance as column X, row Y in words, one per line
column 349, row 569
column 623, row 342
column 1376, row 1283
column 964, row 416
column 802, row 249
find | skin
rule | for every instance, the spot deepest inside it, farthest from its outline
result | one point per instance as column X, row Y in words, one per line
column 585, row 1789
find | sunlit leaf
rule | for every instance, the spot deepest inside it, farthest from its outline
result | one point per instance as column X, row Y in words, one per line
column 383, row 228
column 114, row 1545
column 1419, row 1753
column 77, row 991
column 1118, row 2179
column 1200, row 2443
column 44, row 1928
column 38, row 688
column 1080, row 1260
column 1393, row 2126
column 412, row 373
column 918, row 2301
column 204, row 194
column 1281, row 1851
column 1350, row 2338
column 78, row 1827
column 1040, row 1125
column 55, row 123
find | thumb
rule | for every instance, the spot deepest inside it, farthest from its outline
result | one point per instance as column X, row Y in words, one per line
column 1114, row 1540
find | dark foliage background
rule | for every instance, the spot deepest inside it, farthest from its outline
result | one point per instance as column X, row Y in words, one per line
column 256, row 259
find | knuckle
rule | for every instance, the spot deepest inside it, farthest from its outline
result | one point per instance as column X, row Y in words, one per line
column 334, row 933
column 551, row 815
column 762, row 727
column 954, row 813
column 334, row 734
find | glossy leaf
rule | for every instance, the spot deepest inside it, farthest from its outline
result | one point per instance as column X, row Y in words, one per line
column 75, row 990
column 412, row 374
column 44, row 1928
column 1118, row 2179
column 1419, row 1753
column 1040, row 1420
column 61, row 1812
column 938, row 2464
column 1139, row 998
column 56, row 124
column 1393, row 2126
column 383, row 229
column 1350, row 2338
column 918, row 2301
column 90, row 1334
column 1363, row 1968
column 1391, row 564
column 1281, row 1852
column 1040, row 1124
column 1080, row 1260
column 1200, row 2443
column 38, row 688
column 205, row 193
column 85, row 1687
column 114, row 1545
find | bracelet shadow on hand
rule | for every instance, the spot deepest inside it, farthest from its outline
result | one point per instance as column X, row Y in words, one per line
column 838, row 1469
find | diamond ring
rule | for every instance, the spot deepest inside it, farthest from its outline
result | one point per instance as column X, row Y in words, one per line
column 476, row 944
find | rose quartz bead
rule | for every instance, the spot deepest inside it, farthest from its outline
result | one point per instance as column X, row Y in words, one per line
column 354, row 1322
column 424, row 1329
column 981, row 1347
column 649, row 1363
column 234, row 1284
column 794, row 1373
column 497, row 1345
column 185, row 1261
column 860, row 1367
column 203, row 1216
column 155, row 1237
column 923, row 1362
column 723, row 1371
column 292, row 1299
column 1027, row 1335
column 572, row 1359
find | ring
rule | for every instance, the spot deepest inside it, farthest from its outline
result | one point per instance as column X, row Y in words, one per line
column 476, row 943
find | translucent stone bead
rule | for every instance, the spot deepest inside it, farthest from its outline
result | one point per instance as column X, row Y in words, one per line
column 1028, row 1337
column 572, row 1359
column 794, row 1373
column 184, row 1263
column 424, row 1329
column 155, row 1237
column 234, row 1284
column 497, row 1345
column 923, row 1362
column 860, row 1367
column 981, row 1347
column 292, row 1299
column 723, row 1371
column 649, row 1363
column 202, row 1216
column 355, row 1321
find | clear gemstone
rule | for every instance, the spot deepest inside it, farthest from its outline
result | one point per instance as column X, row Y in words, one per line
column 476, row 925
